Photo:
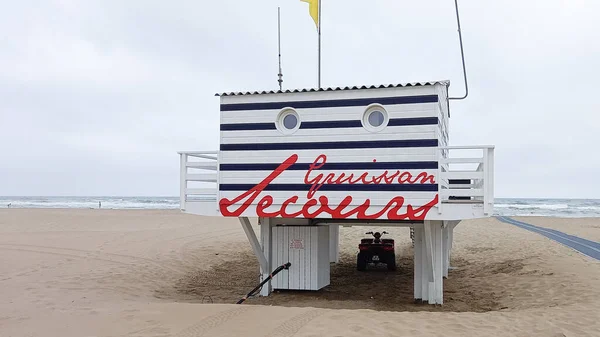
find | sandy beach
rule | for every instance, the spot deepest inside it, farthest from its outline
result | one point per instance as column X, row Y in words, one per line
column 162, row 273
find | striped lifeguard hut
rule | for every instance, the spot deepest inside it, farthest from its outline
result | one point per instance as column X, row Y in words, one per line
column 305, row 162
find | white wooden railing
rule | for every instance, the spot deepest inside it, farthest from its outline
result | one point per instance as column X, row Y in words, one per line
column 198, row 177
column 475, row 171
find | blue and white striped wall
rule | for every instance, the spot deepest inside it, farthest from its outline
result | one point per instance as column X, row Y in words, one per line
column 251, row 146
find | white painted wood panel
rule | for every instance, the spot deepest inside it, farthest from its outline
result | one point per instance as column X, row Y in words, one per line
column 283, row 282
column 374, row 209
column 417, row 251
column 202, row 165
column 333, row 155
column 314, row 258
column 275, row 281
column 318, row 136
column 294, row 259
column 443, row 101
column 472, row 192
column 323, row 260
column 308, row 260
column 390, row 131
column 307, row 270
column 329, row 114
column 286, row 256
column 200, row 191
column 337, row 196
column 305, row 232
column 328, row 135
column 205, row 177
column 451, row 211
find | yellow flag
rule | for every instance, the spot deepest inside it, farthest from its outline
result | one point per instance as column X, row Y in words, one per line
column 313, row 10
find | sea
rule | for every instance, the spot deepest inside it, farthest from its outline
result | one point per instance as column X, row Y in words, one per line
column 502, row 206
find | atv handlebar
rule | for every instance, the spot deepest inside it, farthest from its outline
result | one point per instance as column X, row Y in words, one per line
column 384, row 232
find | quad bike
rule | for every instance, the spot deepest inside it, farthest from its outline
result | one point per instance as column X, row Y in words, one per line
column 376, row 250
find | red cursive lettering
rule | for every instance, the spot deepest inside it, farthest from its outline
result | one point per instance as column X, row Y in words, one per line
column 314, row 208
column 319, row 180
column 253, row 193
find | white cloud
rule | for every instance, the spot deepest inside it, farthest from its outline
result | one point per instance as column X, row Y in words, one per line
column 103, row 93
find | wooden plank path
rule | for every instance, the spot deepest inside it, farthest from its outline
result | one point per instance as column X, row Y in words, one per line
column 586, row 247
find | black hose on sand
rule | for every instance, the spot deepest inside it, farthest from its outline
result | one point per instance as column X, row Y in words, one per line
column 280, row 268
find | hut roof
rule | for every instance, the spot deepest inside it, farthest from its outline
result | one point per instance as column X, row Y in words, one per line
column 361, row 87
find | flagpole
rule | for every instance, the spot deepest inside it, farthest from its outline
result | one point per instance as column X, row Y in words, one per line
column 319, row 70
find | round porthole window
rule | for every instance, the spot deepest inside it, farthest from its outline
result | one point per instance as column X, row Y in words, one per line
column 288, row 121
column 375, row 118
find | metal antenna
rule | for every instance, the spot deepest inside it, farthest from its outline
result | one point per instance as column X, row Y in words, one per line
column 462, row 54
column 280, row 75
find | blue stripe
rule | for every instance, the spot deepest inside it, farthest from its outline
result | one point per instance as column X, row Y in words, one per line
column 417, row 165
column 331, row 145
column 329, row 124
column 336, row 187
column 331, row 103
column 587, row 247
column 248, row 126
column 414, row 121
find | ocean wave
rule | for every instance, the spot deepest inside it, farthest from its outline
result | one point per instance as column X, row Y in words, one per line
column 91, row 202
column 504, row 206
column 533, row 206
column 590, row 208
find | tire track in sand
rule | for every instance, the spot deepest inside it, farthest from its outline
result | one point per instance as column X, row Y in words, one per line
column 52, row 251
column 154, row 272
column 149, row 274
column 122, row 259
column 211, row 322
column 291, row 326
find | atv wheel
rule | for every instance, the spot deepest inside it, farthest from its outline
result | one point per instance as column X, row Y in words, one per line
column 391, row 262
column 361, row 262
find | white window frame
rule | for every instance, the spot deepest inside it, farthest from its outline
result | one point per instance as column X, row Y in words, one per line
column 279, row 121
column 365, row 117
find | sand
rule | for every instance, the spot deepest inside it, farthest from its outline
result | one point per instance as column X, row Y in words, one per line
column 162, row 273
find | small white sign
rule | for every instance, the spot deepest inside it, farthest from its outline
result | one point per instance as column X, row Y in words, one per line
column 296, row 244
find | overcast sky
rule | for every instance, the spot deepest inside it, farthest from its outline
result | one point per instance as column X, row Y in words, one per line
column 96, row 97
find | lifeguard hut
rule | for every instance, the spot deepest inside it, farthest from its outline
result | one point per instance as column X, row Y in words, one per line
column 306, row 161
